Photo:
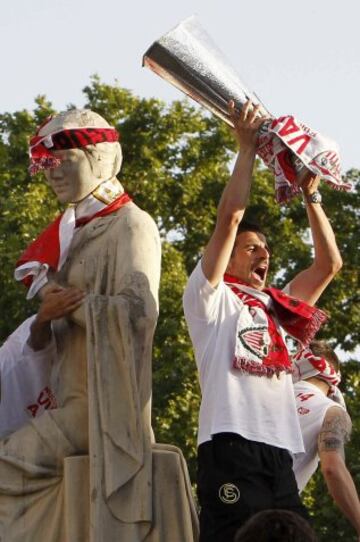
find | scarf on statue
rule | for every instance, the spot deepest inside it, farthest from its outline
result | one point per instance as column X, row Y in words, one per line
column 42, row 147
column 50, row 250
column 260, row 348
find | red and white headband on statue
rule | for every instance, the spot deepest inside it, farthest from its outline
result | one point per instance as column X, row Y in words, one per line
column 42, row 146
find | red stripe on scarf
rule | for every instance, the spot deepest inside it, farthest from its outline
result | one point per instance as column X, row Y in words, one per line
column 111, row 208
column 305, row 360
column 278, row 358
column 42, row 157
column 300, row 320
column 46, row 247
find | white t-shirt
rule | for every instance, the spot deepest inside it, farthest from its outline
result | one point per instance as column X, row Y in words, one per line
column 258, row 408
column 312, row 406
column 24, row 379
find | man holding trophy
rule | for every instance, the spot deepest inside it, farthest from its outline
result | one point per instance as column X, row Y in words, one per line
column 248, row 421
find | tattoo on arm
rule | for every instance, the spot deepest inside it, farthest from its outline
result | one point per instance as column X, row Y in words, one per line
column 335, row 432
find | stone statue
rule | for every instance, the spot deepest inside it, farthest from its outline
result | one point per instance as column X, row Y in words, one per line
column 90, row 469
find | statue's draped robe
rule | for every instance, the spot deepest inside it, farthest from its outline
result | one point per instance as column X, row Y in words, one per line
column 106, row 413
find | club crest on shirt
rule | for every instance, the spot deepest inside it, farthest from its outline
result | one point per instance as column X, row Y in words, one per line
column 229, row 493
column 256, row 340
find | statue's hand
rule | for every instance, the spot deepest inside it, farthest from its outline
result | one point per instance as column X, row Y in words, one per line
column 58, row 302
column 49, row 287
column 63, row 301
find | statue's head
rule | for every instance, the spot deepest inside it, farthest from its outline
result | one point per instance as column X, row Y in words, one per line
column 77, row 150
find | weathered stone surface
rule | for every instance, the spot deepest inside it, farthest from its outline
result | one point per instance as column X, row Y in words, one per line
column 89, row 470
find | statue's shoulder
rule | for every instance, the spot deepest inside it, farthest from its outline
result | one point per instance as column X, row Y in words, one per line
column 135, row 217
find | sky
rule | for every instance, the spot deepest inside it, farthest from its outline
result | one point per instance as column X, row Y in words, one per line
column 301, row 58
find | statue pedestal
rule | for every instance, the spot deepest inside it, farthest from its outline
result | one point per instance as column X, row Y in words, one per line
column 174, row 513
column 175, row 516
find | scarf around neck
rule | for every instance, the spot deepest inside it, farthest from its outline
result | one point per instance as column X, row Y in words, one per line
column 50, row 249
column 260, row 348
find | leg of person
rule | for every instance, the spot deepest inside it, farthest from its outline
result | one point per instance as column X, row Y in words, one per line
column 233, row 485
column 286, row 493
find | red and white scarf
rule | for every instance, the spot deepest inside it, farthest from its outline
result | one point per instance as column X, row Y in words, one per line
column 260, row 349
column 49, row 251
column 307, row 365
column 41, row 147
column 285, row 145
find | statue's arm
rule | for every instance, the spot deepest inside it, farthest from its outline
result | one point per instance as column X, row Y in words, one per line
column 137, row 257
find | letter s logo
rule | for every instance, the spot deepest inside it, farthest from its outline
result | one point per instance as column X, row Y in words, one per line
column 229, row 493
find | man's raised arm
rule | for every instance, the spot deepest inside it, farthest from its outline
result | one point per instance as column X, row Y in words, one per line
column 235, row 197
column 310, row 283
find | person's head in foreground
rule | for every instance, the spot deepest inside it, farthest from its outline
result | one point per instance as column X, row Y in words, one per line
column 322, row 349
column 276, row 526
column 249, row 261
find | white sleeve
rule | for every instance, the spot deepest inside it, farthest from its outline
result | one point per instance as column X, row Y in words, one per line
column 12, row 351
column 16, row 351
column 200, row 299
column 24, row 374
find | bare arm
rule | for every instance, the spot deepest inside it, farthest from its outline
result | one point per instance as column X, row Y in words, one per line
column 235, row 197
column 56, row 303
column 334, row 433
column 310, row 283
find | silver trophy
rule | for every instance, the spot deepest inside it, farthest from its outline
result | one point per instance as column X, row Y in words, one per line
column 188, row 58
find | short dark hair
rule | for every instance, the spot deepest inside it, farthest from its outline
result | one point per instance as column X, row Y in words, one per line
column 276, row 526
column 246, row 226
column 249, row 226
column 323, row 349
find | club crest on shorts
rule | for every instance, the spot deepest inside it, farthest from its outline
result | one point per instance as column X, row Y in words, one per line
column 229, row 493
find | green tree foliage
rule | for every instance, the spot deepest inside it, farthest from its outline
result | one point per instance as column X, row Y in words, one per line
column 176, row 163
column 26, row 207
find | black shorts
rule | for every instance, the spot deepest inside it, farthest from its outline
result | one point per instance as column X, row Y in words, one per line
column 236, row 479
